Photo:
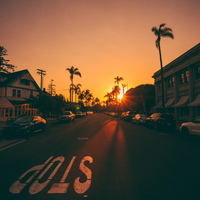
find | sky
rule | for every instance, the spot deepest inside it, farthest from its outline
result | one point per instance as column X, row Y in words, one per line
column 102, row 38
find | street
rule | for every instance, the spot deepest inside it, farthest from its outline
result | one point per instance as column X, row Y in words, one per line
column 101, row 157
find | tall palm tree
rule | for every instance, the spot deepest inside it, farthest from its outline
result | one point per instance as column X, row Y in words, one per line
column 73, row 71
column 162, row 32
column 109, row 96
column 123, row 86
column 118, row 79
column 76, row 89
column 116, row 91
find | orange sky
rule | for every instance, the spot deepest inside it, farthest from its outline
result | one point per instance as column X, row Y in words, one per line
column 102, row 38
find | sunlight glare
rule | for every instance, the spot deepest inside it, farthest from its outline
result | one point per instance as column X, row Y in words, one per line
column 120, row 95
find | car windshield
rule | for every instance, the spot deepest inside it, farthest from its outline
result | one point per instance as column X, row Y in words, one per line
column 24, row 120
column 66, row 113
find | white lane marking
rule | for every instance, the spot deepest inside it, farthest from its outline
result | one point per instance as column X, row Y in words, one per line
column 79, row 187
column 62, row 187
column 67, row 170
column 17, row 186
column 12, row 145
column 36, row 186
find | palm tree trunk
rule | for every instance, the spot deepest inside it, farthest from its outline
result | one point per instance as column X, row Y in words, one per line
column 72, row 92
column 162, row 82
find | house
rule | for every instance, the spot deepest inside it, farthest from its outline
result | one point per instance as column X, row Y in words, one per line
column 181, row 86
column 15, row 89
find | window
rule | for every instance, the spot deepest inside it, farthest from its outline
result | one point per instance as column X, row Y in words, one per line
column 18, row 93
column 24, row 82
column 31, row 93
column 184, row 77
column 170, row 82
column 14, row 92
column 159, row 87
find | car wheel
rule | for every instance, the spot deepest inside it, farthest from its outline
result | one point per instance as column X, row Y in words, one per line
column 185, row 133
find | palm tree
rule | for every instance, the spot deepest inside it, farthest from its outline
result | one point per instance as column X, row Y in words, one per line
column 162, row 32
column 118, row 79
column 123, row 86
column 116, row 91
column 76, row 89
column 73, row 71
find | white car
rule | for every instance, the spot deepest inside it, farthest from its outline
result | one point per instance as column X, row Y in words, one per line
column 67, row 116
column 191, row 128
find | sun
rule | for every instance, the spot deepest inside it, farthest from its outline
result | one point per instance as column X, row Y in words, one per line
column 120, row 96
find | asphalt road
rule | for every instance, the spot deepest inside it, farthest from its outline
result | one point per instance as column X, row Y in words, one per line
column 101, row 157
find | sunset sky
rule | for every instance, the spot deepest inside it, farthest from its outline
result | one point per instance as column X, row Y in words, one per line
column 102, row 38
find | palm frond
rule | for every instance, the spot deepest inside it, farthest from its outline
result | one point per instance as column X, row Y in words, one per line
column 157, row 42
column 77, row 73
column 167, row 29
column 155, row 30
column 168, row 34
column 161, row 25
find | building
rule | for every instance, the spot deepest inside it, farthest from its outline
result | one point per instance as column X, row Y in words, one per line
column 15, row 89
column 181, row 86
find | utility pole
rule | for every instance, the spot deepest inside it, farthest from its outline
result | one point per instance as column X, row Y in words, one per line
column 51, row 87
column 42, row 73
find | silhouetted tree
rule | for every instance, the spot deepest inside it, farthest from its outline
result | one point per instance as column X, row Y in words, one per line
column 118, row 79
column 73, row 71
column 4, row 66
column 162, row 32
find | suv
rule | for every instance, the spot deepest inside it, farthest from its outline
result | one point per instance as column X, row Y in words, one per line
column 158, row 120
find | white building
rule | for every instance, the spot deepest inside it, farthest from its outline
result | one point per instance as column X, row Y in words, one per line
column 181, row 86
column 15, row 89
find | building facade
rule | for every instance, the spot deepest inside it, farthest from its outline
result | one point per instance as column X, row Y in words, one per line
column 181, row 86
column 15, row 90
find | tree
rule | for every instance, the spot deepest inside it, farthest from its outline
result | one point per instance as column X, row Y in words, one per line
column 4, row 66
column 118, row 79
column 123, row 86
column 77, row 89
column 73, row 71
column 162, row 32
column 116, row 91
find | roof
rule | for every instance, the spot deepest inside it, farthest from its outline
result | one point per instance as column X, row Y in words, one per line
column 182, row 57
column 11, row 77
column 4, row 102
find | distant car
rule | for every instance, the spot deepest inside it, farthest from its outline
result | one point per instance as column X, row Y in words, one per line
column 139, row 119
column 67, row 116
column 122, row 115
column 89, row 112
column 84, row 114
column 79, row 114
column 190, row 128
column 159, row 120
column 128, row 116
column 24, row 126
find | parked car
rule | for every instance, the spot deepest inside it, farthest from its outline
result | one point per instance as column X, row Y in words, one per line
column 79, row 114
column 67, row 116
column 84, row 114
column 122, row 115
column 159, row 120
column 24, row 126
column 128, row 116
column 139, row 119
column 190, row 128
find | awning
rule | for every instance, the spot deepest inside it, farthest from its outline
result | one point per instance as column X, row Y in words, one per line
column 196, row 102
column 182, row 101
column 159, row 105
column 169, row 102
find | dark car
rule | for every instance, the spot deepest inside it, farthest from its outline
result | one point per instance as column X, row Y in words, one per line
column 67, row 116
column 24, row 126
column 128, row 116
column 159, row 120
